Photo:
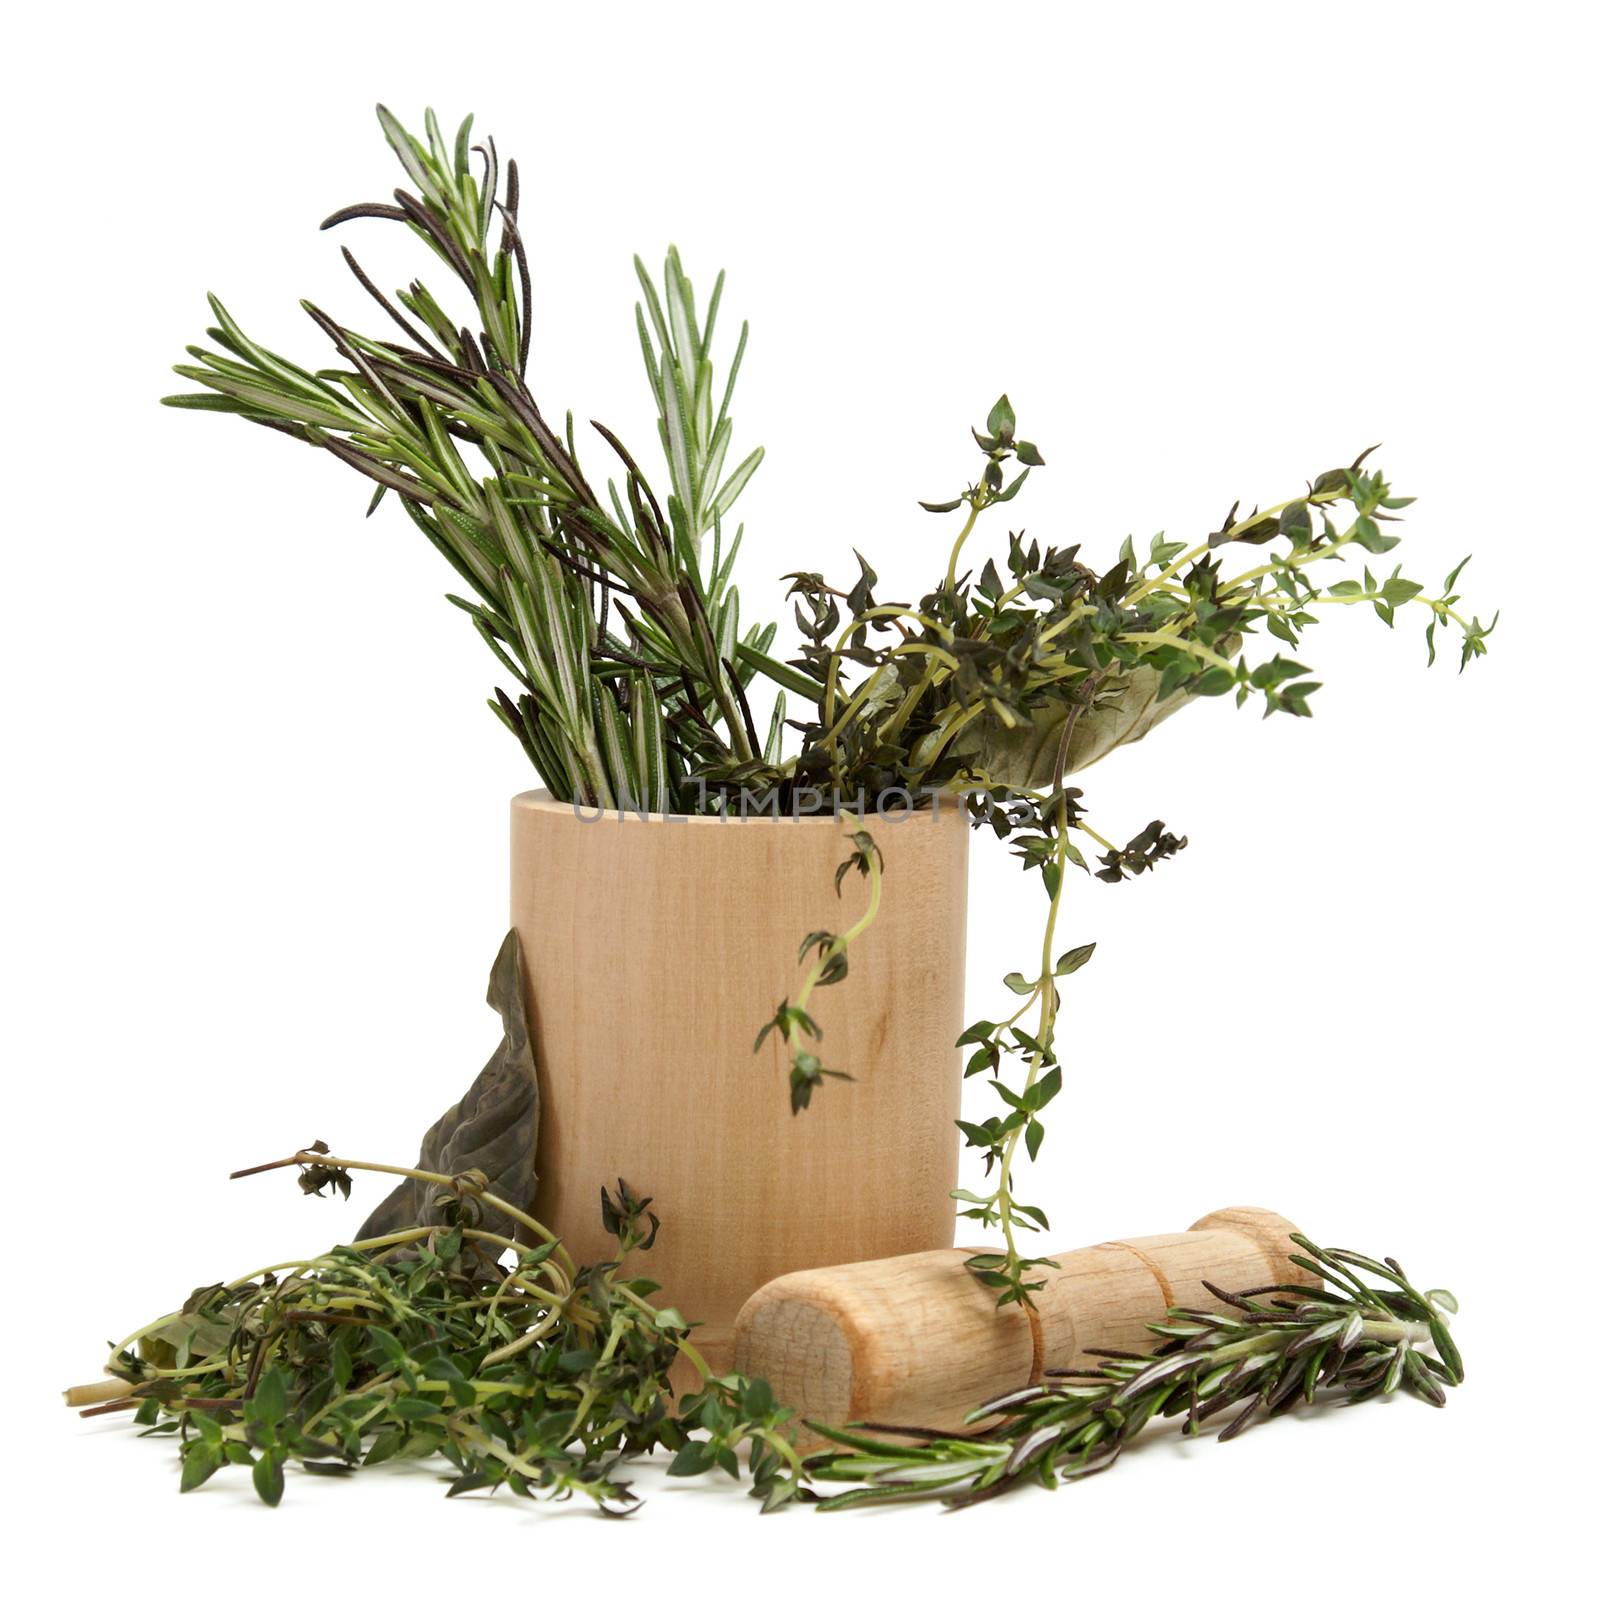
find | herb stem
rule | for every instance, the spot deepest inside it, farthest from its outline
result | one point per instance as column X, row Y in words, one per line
column 830, row 689
column 1300, row 558
column 307, row 1158
column 978, row 502
column 1099, row 839
column 862, row 697
column 842, row 942
column 1177, row 642
column 1045, row 990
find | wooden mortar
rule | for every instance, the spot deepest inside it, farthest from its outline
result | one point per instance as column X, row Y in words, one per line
column 655, row 948
column 917, row 1341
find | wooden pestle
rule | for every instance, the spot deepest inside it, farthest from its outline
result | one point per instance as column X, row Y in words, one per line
column 916, row 1340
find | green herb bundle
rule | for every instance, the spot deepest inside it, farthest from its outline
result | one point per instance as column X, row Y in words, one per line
column 521, row 1369
column 621, row 636
column 997, row 687
column 618, row 628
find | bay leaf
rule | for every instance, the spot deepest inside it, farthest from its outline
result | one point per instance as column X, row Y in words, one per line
column 493, row 1128
column 1025, row 757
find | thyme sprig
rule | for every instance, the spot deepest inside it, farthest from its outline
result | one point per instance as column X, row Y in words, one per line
column 829, row 964
column 463, row 1340
column 998, row 687
column 1272, row 1349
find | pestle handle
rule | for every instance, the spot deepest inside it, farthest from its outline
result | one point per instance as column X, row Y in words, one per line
column 916, row 1340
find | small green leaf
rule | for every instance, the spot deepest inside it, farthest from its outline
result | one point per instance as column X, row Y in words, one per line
column 1002, row 421
column 1398, row 591
column 394, row 1354
column 270, row 1404
column 1213, row 681
column 200, row 1460
column 1010, row 490
column 267, row 1475
column 758, row 1400
column 1074, row 958
column 384, row 1448
column 415, row 1408
column 1369, row 536
column 693, row 1459
column 1295, row 520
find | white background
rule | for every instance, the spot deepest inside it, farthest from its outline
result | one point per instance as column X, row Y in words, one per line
column 255, row 822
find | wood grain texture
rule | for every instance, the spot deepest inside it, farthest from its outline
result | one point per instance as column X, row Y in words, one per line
column 916, row 1341
column 655, row 948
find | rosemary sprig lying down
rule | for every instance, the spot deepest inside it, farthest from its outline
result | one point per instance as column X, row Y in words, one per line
column 1279, row 1347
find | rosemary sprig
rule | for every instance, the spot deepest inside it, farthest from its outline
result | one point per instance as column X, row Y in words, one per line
column 623, row 645
column 1274, row 1349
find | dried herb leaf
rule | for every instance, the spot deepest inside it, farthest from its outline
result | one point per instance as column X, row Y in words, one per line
column 494, row 1129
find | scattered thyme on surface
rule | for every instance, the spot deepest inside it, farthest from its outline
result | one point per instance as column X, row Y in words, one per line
column 527, row 1373
column 521, row 1369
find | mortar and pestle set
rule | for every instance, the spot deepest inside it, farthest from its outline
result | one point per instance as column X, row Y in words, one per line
column 813, row 1250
